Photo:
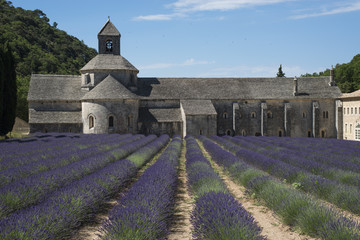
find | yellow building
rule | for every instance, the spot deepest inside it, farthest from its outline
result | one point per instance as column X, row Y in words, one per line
column 351, row 115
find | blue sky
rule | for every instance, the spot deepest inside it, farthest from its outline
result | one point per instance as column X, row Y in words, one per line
column 217, row 38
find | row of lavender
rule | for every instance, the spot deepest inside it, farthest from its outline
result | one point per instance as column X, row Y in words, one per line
column 36, row 188
column 295, row 208
column 55, row 157
column 66, row 208
column 145, row 210
column 217, row 215
column 299, row 171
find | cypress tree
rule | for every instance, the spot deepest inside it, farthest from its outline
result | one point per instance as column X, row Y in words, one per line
column 280, row 72
column 9, row 91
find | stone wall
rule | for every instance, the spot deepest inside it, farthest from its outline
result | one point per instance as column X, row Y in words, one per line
column 351, row 117
column 56, row 127
column 124, row 113
column 201, row 125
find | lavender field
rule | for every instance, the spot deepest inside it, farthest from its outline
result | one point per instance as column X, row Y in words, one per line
column 54, row 185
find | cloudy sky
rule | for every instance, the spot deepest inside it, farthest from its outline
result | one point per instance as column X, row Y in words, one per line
column 217, row 38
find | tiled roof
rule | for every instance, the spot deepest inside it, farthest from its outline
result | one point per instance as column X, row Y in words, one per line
column 160, row 115
column 54, row 116
column 235, row 88
column 198, row 107
column 108, row 62
column 109, row 29
column 55, row 88
column 109, row 89
column 355, row 94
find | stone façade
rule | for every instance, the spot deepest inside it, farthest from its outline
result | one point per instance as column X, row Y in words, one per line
column 108, row 97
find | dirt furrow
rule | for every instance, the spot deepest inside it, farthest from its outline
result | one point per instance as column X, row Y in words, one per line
column 271, row 225
column 181, row 227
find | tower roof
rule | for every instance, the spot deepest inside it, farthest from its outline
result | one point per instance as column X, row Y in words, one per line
column 109, row 29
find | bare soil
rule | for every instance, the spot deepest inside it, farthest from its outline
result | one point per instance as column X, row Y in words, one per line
column 181, row 227
column 271, row 225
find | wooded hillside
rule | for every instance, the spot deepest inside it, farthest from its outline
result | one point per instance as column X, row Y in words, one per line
column 39, row 47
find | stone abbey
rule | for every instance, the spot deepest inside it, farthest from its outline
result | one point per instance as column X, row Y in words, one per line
column 109, row 97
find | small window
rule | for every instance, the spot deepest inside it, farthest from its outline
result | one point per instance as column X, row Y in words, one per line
column 201, row 132
column 304, row 114
column 323, row 114
column 327, row 114
column 228, row 132
column 280, row 133
column 352, row 110
column 346, row 127
column 347, row 110
column 91, row 122
column 111, row 121
column 309, row 133
column 243, row 133
column 344, row 111
column 355, row 110
column 269, row 114
column 253, row 115
column 225, row 115
column 350, row 128
column 109, row 45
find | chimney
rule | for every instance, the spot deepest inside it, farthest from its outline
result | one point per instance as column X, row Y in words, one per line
column 295, row 86
column 332, row 78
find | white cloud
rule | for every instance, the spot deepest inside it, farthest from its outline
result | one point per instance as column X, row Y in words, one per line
column 218, row 5
column 188, row 62
column 354, row 6
column 181, row 8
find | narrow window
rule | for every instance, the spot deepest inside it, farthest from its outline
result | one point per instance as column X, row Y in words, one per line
column 201, row 132
column 347, row 110
column 280, row 133
column 355, row 110
column 253, row 115
column 225, row 115
column 228, row 132
column 109, row 45
column 327, row 114
column 346, row 127
column 323, row 114
column 350, row 128
column 344, row 111
column 352, row 110
column 269, row 114
column 91, row 122
column 111, row 121
column 243, row 132
column 304, row 115
column 309, row 133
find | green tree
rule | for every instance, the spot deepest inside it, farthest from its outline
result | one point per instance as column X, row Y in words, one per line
column 280, row 72
column 9, row 90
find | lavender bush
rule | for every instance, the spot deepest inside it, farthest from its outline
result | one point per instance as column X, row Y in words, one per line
column 217, row 215
column 144, row 212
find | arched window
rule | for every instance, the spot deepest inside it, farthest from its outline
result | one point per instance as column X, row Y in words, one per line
column 111, row 121
column 201, row 132
column 323, row 114
column 304, row 115
column 253, row 115
column 228, row 132
column 225, row 115
column 91, row 122
column 269, row 114
column 109, row 45
column 327, row 114
column 280, row 133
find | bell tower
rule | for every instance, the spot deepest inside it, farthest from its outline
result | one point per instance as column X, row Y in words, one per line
column 109, row 39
